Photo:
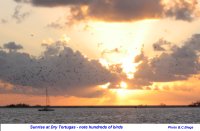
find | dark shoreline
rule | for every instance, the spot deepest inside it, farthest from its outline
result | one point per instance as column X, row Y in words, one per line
column 173, row 106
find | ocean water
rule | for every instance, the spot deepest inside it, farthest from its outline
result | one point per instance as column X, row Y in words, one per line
column 101, row 115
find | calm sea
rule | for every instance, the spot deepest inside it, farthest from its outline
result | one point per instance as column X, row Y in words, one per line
column 101, row 115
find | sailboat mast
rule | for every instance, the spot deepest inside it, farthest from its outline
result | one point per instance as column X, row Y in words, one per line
column 47, row 103
column 46, row 97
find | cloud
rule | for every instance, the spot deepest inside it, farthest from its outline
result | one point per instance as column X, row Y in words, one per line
column 12, row 46
column 56, row 24
column 111, row 51
column 160, row 45
column 173, row 64
column 3, row 21
column 182, row 9
column 59, row 68
column 23, row 1
column 124, row 10
column 18, row 15
column 180, row 64
column 54, row 3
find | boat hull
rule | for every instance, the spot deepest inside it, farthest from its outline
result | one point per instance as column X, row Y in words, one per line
column 46, row 109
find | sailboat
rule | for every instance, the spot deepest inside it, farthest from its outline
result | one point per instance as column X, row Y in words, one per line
column 46, row 108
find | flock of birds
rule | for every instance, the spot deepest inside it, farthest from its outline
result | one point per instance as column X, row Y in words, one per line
column 55, row 71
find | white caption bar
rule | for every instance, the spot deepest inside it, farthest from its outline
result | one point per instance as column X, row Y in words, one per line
column 100, row 127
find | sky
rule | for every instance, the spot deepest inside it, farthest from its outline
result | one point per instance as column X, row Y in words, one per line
column 100, row 52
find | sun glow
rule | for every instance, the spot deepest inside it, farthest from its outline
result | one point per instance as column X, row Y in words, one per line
column 104, row 62
column 105, row 86
column 129, row 67
column 123, row 85
column 128, row 39
column 65, row 38
column 122, row 93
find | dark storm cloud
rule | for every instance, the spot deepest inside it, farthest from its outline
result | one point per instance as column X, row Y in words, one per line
column 180, row 64
column 124, row 10
column 60, row 68
column 18, row 15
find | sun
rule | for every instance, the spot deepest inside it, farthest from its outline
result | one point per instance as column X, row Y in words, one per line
column 123, row 89
column 129, row 67
column 122, row 93
column 123, row 85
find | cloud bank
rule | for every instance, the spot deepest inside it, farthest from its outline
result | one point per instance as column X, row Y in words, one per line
column 124, row 10
column 180, row 63
column 59, row 68
column 68, row 72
